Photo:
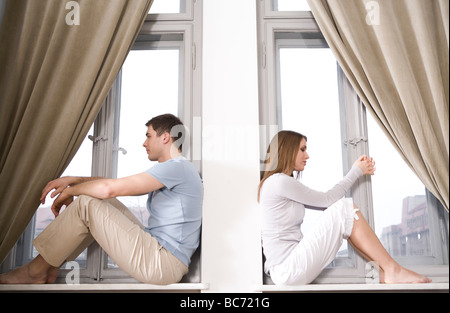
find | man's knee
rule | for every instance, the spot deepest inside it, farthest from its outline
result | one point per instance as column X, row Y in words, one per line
column 86, row 198
column 86, row 202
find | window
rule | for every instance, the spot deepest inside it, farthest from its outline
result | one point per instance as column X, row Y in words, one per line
column 168, row 7
column 409, row 220
column 181, row 10
column 289, row 5
column 302, row 88
column 160, row 75
column 305, row 68
column 280, row 9
column 138, row 99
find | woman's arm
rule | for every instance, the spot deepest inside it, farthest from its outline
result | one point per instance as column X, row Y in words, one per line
column 296, row 191
column 366, row 164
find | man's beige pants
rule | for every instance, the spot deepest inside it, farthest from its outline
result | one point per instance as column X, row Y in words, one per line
column 117, row 231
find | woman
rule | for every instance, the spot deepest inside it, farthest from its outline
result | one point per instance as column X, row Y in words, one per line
column 292, row 258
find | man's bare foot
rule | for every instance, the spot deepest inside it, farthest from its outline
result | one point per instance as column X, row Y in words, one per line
column 38, row 271
column 23, row 275
column 52, row 274
column 401, row 275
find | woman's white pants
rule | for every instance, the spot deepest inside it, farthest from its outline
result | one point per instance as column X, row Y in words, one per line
column 318, row 247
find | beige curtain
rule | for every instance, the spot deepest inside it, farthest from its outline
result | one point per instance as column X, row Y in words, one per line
column 58, row 60
column 396, row 55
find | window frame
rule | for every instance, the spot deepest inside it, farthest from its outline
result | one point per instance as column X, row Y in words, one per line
column 354, row 135
column 269, row 12
column 187, row 14
column 186, row 25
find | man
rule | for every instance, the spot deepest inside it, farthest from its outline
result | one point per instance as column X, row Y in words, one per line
column 158, row 254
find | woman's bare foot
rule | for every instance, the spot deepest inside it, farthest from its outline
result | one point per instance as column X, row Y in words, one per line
column 36, row 272
column 401, row 275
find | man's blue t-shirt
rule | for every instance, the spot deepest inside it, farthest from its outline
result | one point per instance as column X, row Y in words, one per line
column 176, row 209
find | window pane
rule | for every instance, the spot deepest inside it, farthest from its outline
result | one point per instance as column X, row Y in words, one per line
column 168, row 7
column 290, row 5
column 150, row 83
column 400, row 204
column 81, row 165
column 150, row 87
column 310, row 105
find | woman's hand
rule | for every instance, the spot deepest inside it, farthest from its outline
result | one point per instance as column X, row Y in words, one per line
column 367, row 165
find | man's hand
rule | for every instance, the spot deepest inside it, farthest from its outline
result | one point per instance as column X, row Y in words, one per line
column 63, row 199
column 59, row 185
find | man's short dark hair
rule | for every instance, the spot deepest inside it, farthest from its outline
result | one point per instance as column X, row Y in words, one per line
column 168, row 123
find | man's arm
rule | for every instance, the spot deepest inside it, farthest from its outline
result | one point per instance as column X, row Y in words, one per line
column 134, row 185
column 59, row 184
column 138, row 184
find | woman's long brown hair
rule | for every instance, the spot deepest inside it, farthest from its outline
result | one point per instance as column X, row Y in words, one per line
column 281, row 155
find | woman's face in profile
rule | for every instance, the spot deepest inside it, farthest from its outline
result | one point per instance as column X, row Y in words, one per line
column 302, row 156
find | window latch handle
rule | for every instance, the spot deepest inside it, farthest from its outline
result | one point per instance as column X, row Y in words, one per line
column 97, row 139
column 121, row 150
column 355, row 141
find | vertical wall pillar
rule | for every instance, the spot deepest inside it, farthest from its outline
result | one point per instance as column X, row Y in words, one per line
column 231, row 251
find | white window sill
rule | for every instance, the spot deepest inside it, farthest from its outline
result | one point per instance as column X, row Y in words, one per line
column 432, row 287
column 181, row 287
column 198, row 287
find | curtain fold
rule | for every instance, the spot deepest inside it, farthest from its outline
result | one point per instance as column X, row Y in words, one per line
column 396, row 56
column 54, row 76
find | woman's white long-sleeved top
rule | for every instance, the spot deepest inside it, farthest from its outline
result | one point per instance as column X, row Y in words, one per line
column 282, row 201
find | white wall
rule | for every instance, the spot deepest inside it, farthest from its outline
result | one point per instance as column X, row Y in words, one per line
column 231, row 251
